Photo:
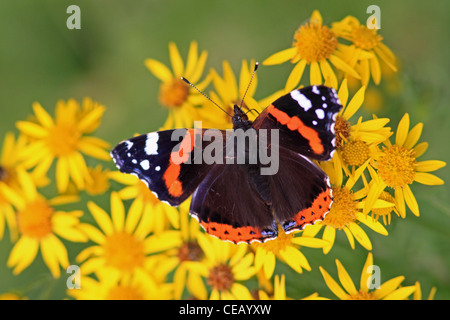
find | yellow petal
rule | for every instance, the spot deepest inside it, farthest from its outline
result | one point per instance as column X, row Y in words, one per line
column 420, row 149
column 343, row 92
column 400, row 201
column 176, row 60
column 101, row 217
column 413, row 136
column 428, row 179
column 345, row 279
column 32, row 129
column 295, row 76
column 375, row 70
column 191, row 59
column 366, row 273
column 411, row 200
column 341, row 65
column 371, row 223
column 350, row 237
column 315, row 77
column 401, row 293
column 280, row 57
column 329, row 235
column 62, row 174
column 354, row 104
column 43, row 117
column 360, row 235
column 23, row 254
column 134, row 214
column 199, row 69
column 240, row 292
column 430, row 165
column 402, row 130
column 269, row 265
column 333, row 286
column 117, row 212
column 388, row 287
column 159, row 70
column 54, row 254
column 93, row 233
column 295, row 259
column 328, row 74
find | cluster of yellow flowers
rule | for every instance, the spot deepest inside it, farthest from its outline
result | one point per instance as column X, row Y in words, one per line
column 141, row 248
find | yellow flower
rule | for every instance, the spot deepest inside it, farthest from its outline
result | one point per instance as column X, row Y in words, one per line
column 225, row 265
column 345, row 212
column 64, row 139
column 365, row 39
column 40, row 227
column 356, row 143
column 228, row 92
column 122, row 245
column 315, row 45
column 397, row 167
column 157, row 216
column 11, row 296
column 389, row 290
column 187, row 253
column 99, row 181
column 286, row 248
column 174, row 93
column 140, row 286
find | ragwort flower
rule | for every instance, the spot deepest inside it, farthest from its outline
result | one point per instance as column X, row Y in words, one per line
column 64, row 139
column 174, row 93
column 315, row 45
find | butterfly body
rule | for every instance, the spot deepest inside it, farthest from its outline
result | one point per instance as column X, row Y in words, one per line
column 232, row 198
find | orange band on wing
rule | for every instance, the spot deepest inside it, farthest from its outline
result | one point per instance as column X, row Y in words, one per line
column 172, row 173
column 295, row 124
column 236, row 235
column 317, row 210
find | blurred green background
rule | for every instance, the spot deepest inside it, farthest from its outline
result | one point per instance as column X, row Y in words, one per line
column 41, row 60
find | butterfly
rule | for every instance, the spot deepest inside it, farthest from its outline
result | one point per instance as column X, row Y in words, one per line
column 235, row 201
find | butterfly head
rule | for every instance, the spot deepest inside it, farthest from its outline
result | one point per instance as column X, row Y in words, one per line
column 240, row 119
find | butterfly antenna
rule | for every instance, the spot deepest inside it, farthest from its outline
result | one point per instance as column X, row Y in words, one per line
column 249, row 83
column 193, row 86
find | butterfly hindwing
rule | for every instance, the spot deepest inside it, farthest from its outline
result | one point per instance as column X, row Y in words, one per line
column 228, row 206
column 300, row 190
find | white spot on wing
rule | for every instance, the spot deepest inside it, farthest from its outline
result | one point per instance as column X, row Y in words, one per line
column 320, row 114
column 129, row 144
column 303, row 101
column 145, row 164
column 151, row 144
column 157, row 168
column 315, row 90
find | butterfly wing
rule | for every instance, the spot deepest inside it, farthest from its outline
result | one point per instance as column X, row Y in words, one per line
column 306, row 119
column 300, row 191
column 167, row 161
column 228, row 205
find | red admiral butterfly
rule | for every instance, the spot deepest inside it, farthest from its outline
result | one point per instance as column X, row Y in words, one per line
column 236, row 202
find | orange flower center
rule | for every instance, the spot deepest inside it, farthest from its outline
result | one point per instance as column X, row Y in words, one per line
column 190, row 251
column 343, row 210
column 314, row 42
column 35, row 219
column 397, row 167
column 221, row 277
column 342, row 129
column 122, row 292
column 99, row 183
column 173, row 93
column 355, row 153
column 365, row 38
column 63, row 140
column 361, row 295
column 123, row 251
